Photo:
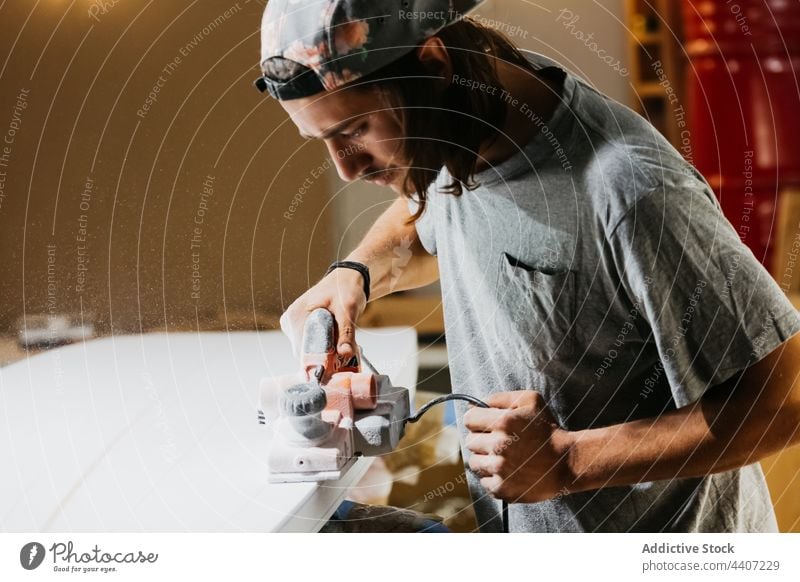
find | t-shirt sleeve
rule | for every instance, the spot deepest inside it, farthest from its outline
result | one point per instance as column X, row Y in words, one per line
column 712, row 307
column 424, row 225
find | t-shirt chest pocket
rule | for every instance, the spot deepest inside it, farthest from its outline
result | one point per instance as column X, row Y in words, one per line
column 539, row 304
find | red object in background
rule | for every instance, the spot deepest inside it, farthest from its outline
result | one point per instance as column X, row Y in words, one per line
column 744, row 107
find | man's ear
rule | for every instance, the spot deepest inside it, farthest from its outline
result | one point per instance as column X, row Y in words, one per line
column 434, row 56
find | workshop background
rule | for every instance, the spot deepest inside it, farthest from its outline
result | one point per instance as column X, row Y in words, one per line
column 146, row 185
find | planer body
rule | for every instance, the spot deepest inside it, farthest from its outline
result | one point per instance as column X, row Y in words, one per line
column 330, row 412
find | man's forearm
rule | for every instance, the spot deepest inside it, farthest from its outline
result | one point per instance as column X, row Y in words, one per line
column 729, row 427
column 394, row 255
column 678, row 444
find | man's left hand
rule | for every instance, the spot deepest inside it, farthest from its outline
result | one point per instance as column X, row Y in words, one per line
column 518, row 450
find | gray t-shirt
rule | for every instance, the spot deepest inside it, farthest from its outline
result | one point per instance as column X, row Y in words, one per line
column 596, row 267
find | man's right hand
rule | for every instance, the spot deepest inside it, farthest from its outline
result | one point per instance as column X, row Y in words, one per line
column 342, row 293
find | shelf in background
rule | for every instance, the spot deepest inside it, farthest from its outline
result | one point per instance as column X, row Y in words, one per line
column 656, row 57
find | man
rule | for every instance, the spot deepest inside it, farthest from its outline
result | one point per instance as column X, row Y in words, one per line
column 637, row 359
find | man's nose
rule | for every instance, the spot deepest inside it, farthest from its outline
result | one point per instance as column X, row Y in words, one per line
column 350, row 160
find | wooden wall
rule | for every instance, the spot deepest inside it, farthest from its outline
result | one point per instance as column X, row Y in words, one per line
column 126, row 127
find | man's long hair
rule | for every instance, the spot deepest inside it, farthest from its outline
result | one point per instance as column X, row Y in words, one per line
column 447, row 130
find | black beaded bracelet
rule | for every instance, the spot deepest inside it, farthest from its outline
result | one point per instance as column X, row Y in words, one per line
column 360, row 267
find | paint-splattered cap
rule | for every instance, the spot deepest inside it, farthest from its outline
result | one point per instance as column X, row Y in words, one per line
column 309, row 46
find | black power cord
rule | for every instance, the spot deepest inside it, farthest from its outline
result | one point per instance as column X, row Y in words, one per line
column 472, row 400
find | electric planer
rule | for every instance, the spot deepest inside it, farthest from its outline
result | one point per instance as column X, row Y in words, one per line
column 331, row 412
